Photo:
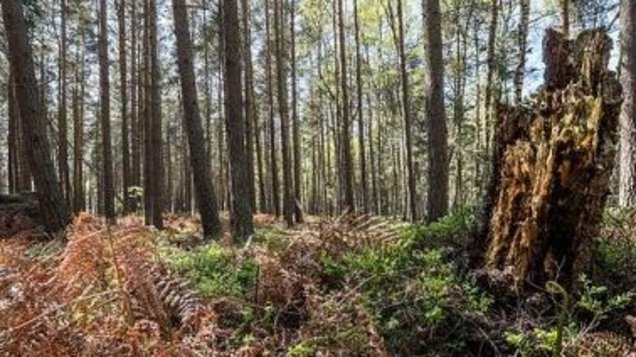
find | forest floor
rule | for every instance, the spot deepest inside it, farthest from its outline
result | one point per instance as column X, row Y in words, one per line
column 346, row 286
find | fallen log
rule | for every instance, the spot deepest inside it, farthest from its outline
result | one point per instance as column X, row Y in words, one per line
column 552, row 165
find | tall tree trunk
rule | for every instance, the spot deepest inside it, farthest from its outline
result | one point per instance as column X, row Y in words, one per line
column 627, row 181
column 491, row 60
column 198, row 159
column 270, row 100
column 125, row 149
column 346, row 162
column 283, row 111
column 298, row 212
column 155, row 132
column 241, row 212
column 436, row 115
column 104, row 88
column 406, row 109
column 363, row 161
column 55, row 212
column 250, row 111
column 78, row 133
column 62, row 118
column 135, row 118
column 522, row 43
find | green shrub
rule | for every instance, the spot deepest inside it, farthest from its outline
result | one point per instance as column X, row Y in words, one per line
column 216, row 271
column 414, row 293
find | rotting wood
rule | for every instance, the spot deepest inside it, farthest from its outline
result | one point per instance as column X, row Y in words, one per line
column 552, row 166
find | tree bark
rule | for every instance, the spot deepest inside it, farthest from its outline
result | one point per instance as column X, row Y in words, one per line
column 123, row 79
column 362, row 154
column 298, row 211
column 62, row 128
column 552, row 166
column 406, row 110
column 522, row 43
column 104, row 88
column 55, row 212
column 436, row 116
column 250, row 111
column 270, row 100
column 192, row 118
column 283, row 111
column 627, row 179
column 347, row 202
column 241, row 212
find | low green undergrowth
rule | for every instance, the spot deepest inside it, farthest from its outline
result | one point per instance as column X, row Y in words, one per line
column 419, row 301
column 215, row 271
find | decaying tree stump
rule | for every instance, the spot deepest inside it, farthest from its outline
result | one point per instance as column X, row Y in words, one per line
column 552, row 166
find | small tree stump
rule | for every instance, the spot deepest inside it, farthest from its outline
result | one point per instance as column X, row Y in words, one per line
column 552, row 166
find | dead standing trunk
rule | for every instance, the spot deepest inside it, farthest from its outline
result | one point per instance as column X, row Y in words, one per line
column 552, row 165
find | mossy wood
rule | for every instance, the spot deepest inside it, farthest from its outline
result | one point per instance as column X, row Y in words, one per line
column 552, row 165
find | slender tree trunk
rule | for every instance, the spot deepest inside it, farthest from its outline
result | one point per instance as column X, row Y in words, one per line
column 125, row 150
column 55, row 212
column 272, row 126
column 627, row 181
column 157, row 180
column 241, row 212
column 363, row 161
column 436, row 115
column 489, row 103
column 250, row 111
column 198, row 159
column 406, row 108
column 281, row 82
column 522, row 42
column 62, row 117
column 135, row 91
column 78, row 134
column 104, row 85
column 298, row 211
column 346, row 169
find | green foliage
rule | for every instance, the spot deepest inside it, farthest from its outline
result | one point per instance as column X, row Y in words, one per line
column 597, row 300
column 552, row 336
column 215, row 271
column 413, row 292
column 449, row 231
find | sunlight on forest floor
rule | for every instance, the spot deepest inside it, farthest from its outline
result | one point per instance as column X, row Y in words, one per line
column 354, row 286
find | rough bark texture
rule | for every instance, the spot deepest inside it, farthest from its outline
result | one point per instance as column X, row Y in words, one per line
column 270, row 102
column 522, row 42
column 436, row 115
column 552, row 165
column 364, row 192
column 283, row 110
column 62, row 129
column 155, row 133
column 627, row 181
column 241, row 212
column 123, row 80
column 53, row 207
column 104, row 97
column 406, row 109
column 206, row 198
column 347, row 202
